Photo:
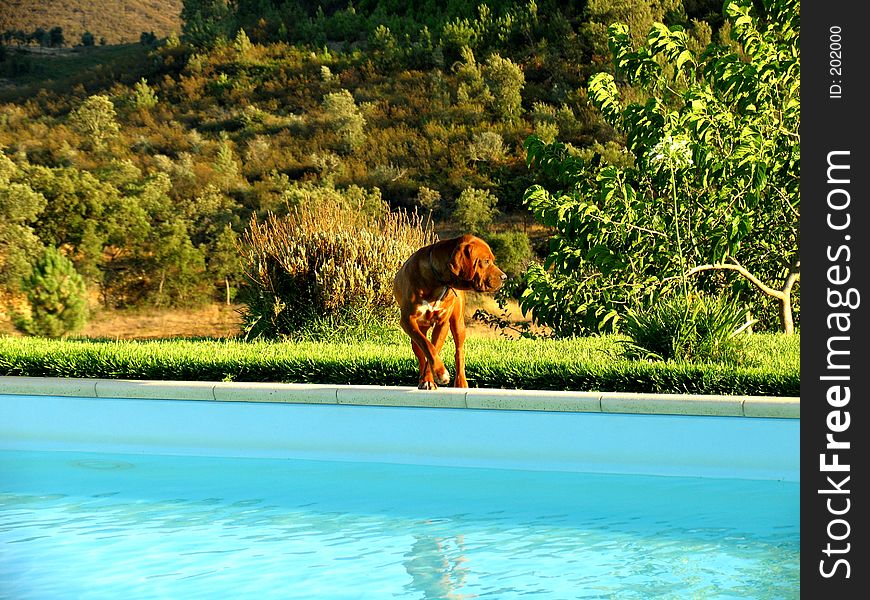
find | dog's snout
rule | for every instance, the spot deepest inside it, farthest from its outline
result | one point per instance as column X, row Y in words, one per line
column 503, row 276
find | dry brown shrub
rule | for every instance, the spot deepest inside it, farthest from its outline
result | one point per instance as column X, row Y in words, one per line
column 325, row 260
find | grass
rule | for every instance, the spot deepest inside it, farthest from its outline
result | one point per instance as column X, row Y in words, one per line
column 771, row 365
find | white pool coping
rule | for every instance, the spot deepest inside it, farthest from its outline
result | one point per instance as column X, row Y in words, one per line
column 371, row 395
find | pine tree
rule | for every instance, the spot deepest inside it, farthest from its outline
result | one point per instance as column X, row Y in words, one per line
column 57, row 296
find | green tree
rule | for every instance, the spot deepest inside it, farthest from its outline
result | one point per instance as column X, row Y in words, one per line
column 344, row 117
column 225, row 262
column 242, row 45
column 385, row 48
column 206, row 22
column 179, row 267
column 127, row 241
column 637, row 15
column 472, row 89
column 713, row 191
column 88, row 39
column 40, row 36
column 457, row 36
column 226, row 166
column 143, row 96
column 20, row 205
column 512, row 250
column 55, row 37
column 74, row 197
column 96, row 120
column 505, row 81
column 475, row 209
column 57, row 297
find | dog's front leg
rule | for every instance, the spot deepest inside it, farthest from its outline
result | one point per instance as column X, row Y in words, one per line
column 457, row 328
column 439, row 336
column 438, row 370
column 424, row 377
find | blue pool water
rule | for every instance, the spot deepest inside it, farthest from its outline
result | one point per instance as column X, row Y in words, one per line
column 89, row 525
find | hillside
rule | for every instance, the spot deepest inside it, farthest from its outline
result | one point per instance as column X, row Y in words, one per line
column 146, row 163
column 116, row 21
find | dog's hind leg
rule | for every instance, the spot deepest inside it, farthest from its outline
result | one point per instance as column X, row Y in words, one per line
column 457, row 328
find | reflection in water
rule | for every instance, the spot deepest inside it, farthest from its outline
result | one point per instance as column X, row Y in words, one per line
column 289, row 530
column 437, row 567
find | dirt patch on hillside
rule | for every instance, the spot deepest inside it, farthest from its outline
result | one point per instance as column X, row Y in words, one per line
column 223, row 321
column 213, row 321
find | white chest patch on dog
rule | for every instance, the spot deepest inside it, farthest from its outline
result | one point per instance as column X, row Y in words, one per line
column 426, row 309
column 429, row 311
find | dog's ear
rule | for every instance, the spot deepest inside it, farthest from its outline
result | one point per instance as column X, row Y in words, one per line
column 462, row 261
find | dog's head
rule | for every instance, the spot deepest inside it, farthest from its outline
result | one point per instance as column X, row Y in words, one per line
column 473, row 263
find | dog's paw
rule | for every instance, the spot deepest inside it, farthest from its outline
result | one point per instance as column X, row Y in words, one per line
column 443, row 376
column 427, row 385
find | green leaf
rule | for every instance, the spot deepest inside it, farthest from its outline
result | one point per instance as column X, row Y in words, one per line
column 684, row 57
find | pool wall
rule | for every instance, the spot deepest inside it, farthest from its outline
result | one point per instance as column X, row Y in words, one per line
column 704, row 436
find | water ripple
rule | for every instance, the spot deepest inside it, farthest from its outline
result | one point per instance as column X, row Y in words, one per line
column 151, row 531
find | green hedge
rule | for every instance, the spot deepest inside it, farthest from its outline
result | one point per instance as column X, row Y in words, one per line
column 772, row 364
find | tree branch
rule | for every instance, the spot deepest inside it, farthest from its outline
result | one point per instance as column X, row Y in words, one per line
column 609, row 221
column 794, row 275
column 735, row 266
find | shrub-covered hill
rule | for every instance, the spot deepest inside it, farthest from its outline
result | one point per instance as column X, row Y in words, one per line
column 115, row 21
column 145, row 172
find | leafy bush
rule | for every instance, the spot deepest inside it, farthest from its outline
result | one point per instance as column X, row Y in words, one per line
column 712, row 192
column 57, row 297
column 458, row 35
column 505, row 80
column 475, row 209
column 693, row 328
column 181, row 266
column 95, row 119
column 324, row 263
column 143, row 96
column 471, row 86
column 486, row 146
column 512, row 250
column 428, row 198
column 546, row 132
column 20, row 205
column 344, row 117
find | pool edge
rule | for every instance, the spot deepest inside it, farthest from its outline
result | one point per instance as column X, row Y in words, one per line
column 369, row 395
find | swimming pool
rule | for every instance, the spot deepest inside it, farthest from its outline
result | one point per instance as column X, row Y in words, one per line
column 293, row 497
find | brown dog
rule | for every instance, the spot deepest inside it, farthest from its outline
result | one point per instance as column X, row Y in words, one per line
column 430, row 290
